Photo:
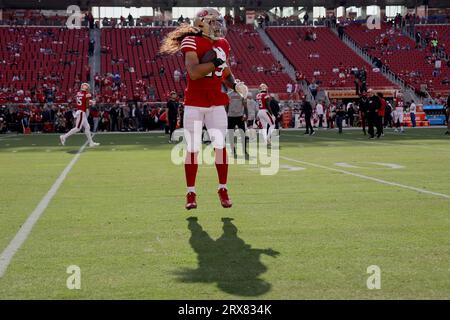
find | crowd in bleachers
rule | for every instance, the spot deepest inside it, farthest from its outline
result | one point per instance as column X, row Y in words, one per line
column 41, row 68
column 422, row 68
column 41, row 64
column 325, row 61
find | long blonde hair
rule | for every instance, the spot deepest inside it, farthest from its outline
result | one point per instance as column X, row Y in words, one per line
column 172, row 42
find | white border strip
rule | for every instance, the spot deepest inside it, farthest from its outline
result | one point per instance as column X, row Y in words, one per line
column 27, row 227
column 389, row 183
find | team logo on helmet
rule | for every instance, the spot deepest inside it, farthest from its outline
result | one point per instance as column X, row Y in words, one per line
column 203, row 13
column 211, row 22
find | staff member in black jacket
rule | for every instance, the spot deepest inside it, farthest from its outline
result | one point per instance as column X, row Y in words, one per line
column 307, row 111
column 363, row 109
column 372, row 114
column 275, row 107
column 172, row 113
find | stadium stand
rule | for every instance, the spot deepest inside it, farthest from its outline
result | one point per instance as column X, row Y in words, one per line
column 439, row 32
column 32, row 59
column 249, row 52
column 133, row 54
column 316, row 59
column 398, row 52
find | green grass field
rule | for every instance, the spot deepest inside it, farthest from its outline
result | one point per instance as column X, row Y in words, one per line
column 309, row 232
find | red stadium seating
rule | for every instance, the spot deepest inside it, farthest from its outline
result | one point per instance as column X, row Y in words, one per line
column 331, row 50
column 401, row 56
column 20, row 49
column 248, row 50
column 443, row 34
column 145, row 59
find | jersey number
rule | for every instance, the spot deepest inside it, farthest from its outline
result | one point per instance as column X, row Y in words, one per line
column 218, row 73
column 79, row 101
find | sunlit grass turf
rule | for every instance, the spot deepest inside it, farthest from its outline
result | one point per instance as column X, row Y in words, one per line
column 119, row 216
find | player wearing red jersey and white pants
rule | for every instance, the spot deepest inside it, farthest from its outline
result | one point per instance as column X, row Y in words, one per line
column 398, row 115
column 265, row 114
column 82, row 101
column 206, row 53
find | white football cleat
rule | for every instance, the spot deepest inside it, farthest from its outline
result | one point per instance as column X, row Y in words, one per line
column 62, row 139
column 94, row 144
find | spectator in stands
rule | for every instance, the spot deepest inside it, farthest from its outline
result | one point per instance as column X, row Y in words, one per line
column 60, row 121
column 289, row 88
column 25, row 121
column 176, row 75
column 151, row 93
column 130, row 20
column 306, row 18
column 91, row 47
column 434, row 45
column 340, row 30
column 95, row 114
column 418, row 39
column 313, row 87
column 162, row 71
column 180, row 19
column 412, row 112
column 437, row 67
column 357, row 82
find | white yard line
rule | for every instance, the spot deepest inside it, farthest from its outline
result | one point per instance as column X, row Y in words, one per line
column 25, row 230
column 365, row 141
column 389, row 183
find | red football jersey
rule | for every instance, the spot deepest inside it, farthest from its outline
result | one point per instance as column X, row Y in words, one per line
column 207, row 91
column 82, row 100
column 263, row 100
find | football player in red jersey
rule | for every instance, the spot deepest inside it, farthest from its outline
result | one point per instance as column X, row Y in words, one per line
column 206, row 53
column 82, row 100
column 265, row 114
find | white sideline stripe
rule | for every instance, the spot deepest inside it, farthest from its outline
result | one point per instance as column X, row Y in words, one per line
column 25, row 229
column 389, row 183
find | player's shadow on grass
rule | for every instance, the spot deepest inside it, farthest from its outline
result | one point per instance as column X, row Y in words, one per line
column 227, row 261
